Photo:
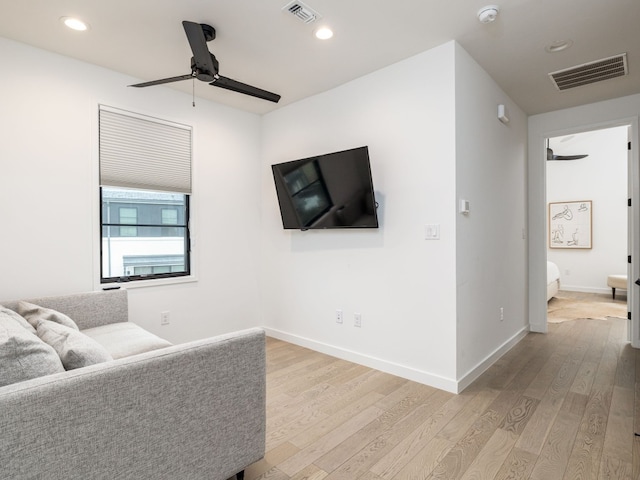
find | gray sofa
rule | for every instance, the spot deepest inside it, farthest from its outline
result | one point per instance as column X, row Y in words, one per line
column 190, row 411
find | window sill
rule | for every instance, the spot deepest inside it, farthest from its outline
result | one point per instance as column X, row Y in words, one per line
column 158, row 282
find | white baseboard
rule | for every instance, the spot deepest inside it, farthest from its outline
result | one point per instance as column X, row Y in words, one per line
column 420, row 376
column 573, row 288
column 468, row 378
column 403, row 371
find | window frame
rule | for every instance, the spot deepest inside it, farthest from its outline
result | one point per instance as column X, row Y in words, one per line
column 152, row 276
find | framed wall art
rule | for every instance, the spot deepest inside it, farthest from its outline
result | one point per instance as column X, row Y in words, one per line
column 570, row 224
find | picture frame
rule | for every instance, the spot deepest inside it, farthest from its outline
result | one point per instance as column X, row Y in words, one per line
column 570, row 224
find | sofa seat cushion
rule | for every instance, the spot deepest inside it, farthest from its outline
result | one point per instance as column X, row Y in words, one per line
column 23, row 355
column 75, row 349
column 124, row 339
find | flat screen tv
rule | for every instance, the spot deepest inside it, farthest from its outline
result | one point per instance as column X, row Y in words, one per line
column 334, row 190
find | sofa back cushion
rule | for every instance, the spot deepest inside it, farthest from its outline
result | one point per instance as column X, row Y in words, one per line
column 23, row 355
column 87, row 310
column 34, row 313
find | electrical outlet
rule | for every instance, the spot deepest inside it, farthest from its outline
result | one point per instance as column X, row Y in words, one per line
column 357, row 320
column 164, row 318
column 501, row 314
column 339, row 316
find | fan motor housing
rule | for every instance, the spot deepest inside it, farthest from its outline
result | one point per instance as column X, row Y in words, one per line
column 208, row 31
column 202, row 75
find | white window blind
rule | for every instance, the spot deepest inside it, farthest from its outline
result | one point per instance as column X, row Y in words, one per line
column 143, row 152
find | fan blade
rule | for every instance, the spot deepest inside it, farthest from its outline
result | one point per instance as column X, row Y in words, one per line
column 234, row 85
column 198, row 44
column 164, row 80
column 568, row 157
column 551, row 156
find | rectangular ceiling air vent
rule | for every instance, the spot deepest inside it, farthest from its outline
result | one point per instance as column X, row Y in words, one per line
column 301, row 11
column 592, row 72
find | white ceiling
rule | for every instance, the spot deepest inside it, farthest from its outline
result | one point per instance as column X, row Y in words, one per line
column 259, row 44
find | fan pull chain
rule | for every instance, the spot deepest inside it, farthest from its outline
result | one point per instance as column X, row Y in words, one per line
column 193, row 91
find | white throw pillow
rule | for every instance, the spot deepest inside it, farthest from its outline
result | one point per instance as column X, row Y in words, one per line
column 22, row 354
column 74, row 348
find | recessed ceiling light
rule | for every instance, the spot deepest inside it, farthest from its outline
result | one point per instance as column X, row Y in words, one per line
column 75, row 23
column 324, row 33
column 558, row 45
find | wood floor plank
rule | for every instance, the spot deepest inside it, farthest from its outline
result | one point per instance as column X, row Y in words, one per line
column 517, row 466
column 310, row 472
column 464, row 452
column 618, row 440
column 584, row 461
column 554, row 457
column 468, row 415
column 390, row 438
column 316, row 450
column 490, row 459
column 424, row 462
column 403, row 408
column 635, row 463
column 614, row 469
column 541, row 422
column 414, row 443
column 309, row 435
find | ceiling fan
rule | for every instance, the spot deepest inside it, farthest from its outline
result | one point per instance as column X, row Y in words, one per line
column 204, row 65
column 551, row 156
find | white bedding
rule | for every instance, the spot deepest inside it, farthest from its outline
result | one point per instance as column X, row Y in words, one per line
column 553, row 280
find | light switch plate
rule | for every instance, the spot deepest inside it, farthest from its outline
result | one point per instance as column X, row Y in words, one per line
column 432, row 231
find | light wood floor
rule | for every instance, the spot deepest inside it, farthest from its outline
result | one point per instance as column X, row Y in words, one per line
column 556, row 406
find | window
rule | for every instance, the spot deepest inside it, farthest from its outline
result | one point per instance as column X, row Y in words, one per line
column 136, row 244
column 145, row 187
column 128, row 216
column 169, row 217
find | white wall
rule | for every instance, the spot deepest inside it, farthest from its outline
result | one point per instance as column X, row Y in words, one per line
column 49, row 192
column 491, row 248
column 602, row 178
column 610, row 113
column 403, row 286
column 430, row 123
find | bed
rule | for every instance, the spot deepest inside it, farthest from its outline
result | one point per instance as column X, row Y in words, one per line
column 553, row 280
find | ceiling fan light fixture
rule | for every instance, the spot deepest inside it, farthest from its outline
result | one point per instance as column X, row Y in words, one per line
column 75, row 23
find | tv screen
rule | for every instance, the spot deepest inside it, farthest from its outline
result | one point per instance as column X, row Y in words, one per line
column 334, row 190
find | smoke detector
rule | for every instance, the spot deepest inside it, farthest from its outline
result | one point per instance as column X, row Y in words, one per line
column 301, row 11
column 488, row 14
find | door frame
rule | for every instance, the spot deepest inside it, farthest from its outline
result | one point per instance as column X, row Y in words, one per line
column 541, row 128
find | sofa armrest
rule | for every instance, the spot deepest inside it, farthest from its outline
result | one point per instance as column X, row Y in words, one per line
column 189, row 411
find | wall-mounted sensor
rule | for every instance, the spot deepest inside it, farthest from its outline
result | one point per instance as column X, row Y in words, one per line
column 464, row 207
column 502, row 114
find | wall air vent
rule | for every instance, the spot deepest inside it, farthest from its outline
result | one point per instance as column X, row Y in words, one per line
column 301, row 11
column 592, row 72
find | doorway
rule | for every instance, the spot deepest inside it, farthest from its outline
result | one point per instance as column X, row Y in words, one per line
column 587, row 232
column 555, row 124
